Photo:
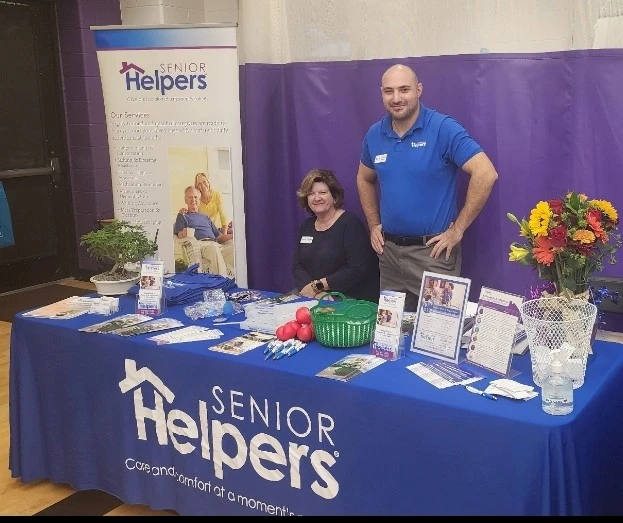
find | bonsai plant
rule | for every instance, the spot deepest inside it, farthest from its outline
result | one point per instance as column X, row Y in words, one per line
column 118, row 242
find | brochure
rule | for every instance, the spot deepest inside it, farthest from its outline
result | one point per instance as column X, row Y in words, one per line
column 439, row 317
column 351, row 366
column 159, row 324
column 113, row 324
column 244, row 343
column 150, row 295
column 63, row 309
column 186, row 334
column 495, row 330
column 387, row 341
column 443, row 374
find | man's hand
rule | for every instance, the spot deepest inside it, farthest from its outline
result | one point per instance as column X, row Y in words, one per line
column 183, row 233
column 376, row 238
column 445, row 241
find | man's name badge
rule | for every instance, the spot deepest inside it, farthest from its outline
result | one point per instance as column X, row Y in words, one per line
column 306, row 239
column 380, row 158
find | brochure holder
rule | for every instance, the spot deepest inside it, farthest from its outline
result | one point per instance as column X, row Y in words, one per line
column 438, row 327
column 150, row 299
column 387, row 340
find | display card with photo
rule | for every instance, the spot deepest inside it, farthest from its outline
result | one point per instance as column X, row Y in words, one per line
column 439, row 317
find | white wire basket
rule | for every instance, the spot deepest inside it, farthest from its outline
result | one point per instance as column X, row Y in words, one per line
column 559, row 323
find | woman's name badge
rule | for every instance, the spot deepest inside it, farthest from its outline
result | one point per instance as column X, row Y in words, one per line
column 307, row 239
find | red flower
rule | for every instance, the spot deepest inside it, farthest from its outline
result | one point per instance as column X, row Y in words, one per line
column 555, row 205
column 543, row 251
column 581, row 248
column 558, row 236
column 593, row 218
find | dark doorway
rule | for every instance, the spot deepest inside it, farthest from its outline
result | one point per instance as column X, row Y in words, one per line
column 33, row 148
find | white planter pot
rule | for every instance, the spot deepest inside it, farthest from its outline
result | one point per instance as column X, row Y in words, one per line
column 113, row 287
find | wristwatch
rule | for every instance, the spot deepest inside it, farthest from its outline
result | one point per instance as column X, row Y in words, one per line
column 317, row 285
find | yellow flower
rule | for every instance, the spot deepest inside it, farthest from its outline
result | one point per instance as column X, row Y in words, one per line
column 517, row 253
column 607, row 208
column 584, row 236
column 539, row 219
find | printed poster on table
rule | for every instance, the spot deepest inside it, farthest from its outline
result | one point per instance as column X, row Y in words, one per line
column 438, row 326
column 171, row 95
column 493, row 334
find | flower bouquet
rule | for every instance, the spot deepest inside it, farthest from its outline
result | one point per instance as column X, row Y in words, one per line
column 566, row 240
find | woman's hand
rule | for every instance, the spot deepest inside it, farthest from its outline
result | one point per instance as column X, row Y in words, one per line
column 307, row 291
column 182, row 211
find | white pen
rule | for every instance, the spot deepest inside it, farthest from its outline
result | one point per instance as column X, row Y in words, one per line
column 480, row 392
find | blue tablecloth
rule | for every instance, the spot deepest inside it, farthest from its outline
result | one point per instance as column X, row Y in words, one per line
column 200, row 432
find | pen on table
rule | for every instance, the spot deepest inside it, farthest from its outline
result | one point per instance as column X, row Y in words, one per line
column 480, row 392
column 296, row 348
column 276, row 348
column 288, row 347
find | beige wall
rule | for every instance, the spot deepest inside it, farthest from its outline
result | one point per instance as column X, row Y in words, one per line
column 279, row 31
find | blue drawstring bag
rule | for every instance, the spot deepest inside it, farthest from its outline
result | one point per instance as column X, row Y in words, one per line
column 6, row 227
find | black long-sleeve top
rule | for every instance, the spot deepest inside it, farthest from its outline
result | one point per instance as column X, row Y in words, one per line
column 342, row 254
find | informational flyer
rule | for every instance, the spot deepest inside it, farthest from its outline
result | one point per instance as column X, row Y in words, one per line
column 351, row 366
column 150, row 298
column 187, row 334
column 439, row 317
column 494, row 330
column 244, row 343
column 388, row 342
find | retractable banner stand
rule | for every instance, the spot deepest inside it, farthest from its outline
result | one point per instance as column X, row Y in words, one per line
column 172, row 112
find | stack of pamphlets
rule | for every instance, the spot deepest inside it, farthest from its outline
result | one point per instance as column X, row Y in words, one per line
column 75, row 306
column 125, row 320
column 244, row 343
column 267, row 315
column 132, row 324
column 187, row 334
column 351, row 366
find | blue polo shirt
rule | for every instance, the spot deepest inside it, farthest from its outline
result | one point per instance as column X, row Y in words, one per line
column 417, row 173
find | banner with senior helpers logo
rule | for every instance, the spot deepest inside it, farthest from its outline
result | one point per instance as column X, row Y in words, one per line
column 173, row 120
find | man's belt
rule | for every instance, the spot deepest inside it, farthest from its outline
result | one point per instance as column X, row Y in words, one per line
column 406, row 241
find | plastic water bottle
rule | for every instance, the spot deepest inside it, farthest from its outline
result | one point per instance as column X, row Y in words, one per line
column 557, row 390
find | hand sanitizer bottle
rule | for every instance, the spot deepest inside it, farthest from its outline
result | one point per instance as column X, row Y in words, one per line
column 557, row 390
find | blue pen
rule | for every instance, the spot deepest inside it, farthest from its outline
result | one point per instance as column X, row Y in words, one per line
column 276, row 348
column 270, row 345
column 480, row 392
column 297, row 348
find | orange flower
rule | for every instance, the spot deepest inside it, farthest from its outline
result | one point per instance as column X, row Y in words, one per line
column 543, row 250
column 584, row 236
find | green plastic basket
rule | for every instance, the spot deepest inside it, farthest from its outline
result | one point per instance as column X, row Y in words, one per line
column 343, row 324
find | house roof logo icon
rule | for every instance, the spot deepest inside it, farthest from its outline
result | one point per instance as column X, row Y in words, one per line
column 125, row 67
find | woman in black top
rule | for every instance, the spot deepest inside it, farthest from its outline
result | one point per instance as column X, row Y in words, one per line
column 333, row 251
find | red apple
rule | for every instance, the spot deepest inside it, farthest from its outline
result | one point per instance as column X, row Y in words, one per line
column 289, row 331
column 303, row 316
column 294, row 324
column 280, row 335
column 306, row 333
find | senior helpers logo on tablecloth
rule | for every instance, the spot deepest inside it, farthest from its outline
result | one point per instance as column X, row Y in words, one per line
column 209, row 433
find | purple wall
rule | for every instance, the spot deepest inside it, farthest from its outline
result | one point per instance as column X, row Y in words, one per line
column 550, row 123
column 84, row 104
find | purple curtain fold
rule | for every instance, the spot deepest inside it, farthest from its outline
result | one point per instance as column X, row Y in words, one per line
column 550, row 122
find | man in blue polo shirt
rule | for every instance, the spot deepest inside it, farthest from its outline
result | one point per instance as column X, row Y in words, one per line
column 414, row 154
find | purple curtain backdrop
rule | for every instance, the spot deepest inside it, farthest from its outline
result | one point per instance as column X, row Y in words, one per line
column 550, row 122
